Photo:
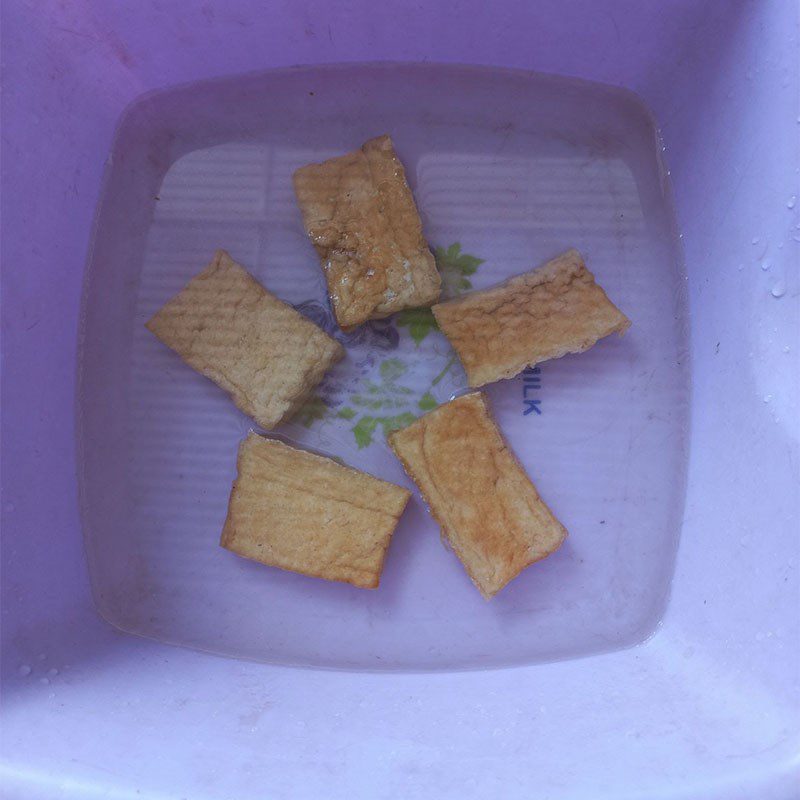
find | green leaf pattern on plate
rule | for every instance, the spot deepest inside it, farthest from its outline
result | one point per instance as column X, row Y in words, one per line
column 427, row 402
column 419, row 321
column 386, row 396
column 455, row 268
column 313, row 409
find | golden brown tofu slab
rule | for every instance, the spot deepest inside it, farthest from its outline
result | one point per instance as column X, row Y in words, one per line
column 488, row 509
column 261, row 351
column 361, row 217
column 542, row 314
column 306, row 513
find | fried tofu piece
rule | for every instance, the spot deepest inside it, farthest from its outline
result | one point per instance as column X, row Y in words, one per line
column 489, row 511
column 305, row 513
column 360, row 215
column 539, row 315
column 261, row 351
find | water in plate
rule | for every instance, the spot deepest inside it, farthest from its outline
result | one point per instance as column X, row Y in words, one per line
column 508, row 170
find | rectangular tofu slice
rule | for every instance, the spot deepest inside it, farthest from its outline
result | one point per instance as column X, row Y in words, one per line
column 542, row 314
column 261, row 351
column 309, row 514
column 488, row 509
column 360, row 215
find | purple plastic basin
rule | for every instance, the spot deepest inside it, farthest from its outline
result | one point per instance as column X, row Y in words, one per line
column 656, row 656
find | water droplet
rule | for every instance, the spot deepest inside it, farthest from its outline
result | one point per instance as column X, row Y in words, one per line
column 765, row 265
column 41, row 656
column 779, row 289
column 767, row 398
column 44, row 681
column 786, row 348
column 52, row 672
column 756, row 240
column 791, row 202
column 24, row 670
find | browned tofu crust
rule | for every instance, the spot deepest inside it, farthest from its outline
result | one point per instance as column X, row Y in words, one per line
column 305, row 513
column 542, row 314
column 261, row 351
column 488, row 509
column 360, row 214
